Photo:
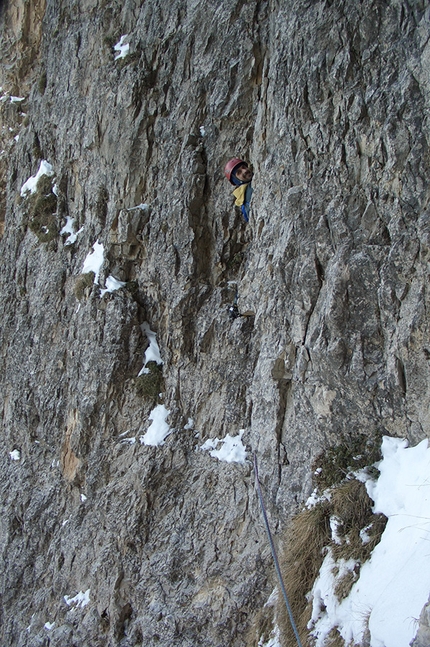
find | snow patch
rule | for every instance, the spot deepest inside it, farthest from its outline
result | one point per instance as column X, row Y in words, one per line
column 94, row 261
column 112, row 284
column 315, row 498
column 159, row 429
column 81, row 599
column 152, row 353
column 364, row 536
column 122, row 47
column 49, row 625
column 15, row 455
column 143, row 206
column 231, row 451
column 29, row 186
column 335, row 522
column 68, row 227
column 273, row 598
column 275, row 639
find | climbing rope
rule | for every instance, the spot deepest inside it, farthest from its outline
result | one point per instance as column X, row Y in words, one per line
column 274, row 555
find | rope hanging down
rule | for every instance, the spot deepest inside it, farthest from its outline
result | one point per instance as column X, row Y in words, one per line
column 274, row 555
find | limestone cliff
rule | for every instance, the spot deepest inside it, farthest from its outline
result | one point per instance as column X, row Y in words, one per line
column 330, row 103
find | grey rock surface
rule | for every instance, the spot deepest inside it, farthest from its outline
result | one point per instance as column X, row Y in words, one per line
column 330, row 103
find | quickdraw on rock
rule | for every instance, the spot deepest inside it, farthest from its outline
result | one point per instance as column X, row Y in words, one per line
column 233, row 310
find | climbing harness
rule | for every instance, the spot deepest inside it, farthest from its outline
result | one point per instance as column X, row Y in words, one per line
column 274, row 555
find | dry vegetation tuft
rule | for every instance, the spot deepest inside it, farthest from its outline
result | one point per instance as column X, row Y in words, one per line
column 261, row 627
column 310, row 534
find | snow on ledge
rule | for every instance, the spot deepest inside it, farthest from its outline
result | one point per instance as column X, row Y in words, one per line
column 232, row 450
column 112, row 284
column 81, row 599
column 121, row 47
column 94, row 261
column 152, row 353
column 159, row 430
column 45, row 168
column 69, row 230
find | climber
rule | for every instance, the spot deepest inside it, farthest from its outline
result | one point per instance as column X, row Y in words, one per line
column 239, row 174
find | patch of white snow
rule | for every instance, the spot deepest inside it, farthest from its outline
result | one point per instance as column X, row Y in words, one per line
column 45, row 168
column 143, row 206
column 152, row 353
column 112, row 284
column 81, row 599
column 94, row 261
column 15, row 455
column 159, row 429
column 274, row 640
column 231, row 451
column 68, row 228
column 335, row 522
column 122, row 47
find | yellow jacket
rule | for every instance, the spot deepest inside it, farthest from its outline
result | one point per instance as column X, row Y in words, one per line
column 239, row 194
column 243, row 195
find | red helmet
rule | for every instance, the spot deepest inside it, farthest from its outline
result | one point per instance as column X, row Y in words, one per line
column 231, row 165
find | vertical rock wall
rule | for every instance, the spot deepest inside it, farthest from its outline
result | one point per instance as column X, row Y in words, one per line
column 329, row 101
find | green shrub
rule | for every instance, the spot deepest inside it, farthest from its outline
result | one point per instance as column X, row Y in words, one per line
column 149, row 385
column 351, row 453
column 41, row 210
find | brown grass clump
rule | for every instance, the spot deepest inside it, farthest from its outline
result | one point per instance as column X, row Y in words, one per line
column 261, row 627
column 300, row 564
column 309, row 534
column 352, row 505
column 334, row 639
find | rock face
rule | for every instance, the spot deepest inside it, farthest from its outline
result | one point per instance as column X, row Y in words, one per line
column 164, row 545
